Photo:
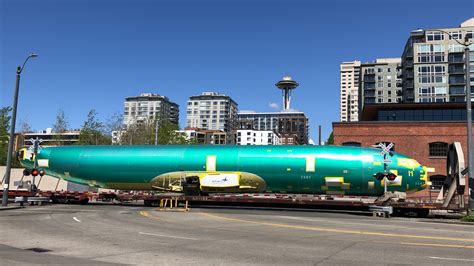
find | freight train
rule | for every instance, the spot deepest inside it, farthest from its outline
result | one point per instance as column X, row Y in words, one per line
column 198, row 170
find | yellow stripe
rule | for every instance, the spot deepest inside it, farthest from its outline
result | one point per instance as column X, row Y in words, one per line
column 333, row 230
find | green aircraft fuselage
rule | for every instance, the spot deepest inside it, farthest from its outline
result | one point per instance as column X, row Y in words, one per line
column 278, row 169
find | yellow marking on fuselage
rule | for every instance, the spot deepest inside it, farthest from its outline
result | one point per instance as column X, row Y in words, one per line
column 211, row 163
column 411, row 173
column 377, row 163
column 345, row 231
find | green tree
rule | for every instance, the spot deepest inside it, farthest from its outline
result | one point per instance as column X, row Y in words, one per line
column 4, row 133
column 93, row 132
column 60, row 126
column 330, row 140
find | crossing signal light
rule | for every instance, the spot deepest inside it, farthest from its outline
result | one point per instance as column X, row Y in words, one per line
column 389, row 176
column 26, row 172
column 34, row 172
column 41, row 172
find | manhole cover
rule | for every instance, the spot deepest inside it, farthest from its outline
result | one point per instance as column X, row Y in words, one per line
column 39, row 250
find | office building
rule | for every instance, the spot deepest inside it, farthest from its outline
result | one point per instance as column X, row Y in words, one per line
column 291, row 125
column 146, row 106
column 349, row 91
column 257, row 137
column 378, row 82
column 212, row 111
column 433, row 64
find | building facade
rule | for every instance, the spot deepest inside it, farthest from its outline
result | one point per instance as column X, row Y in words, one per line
column 212, row 111
column 257, row 137
column 349, row 91
column 203, row 136
column 146, row 106
column 379, row 82
column 48, row 138
column 421, row 131
column 433, row 68
column 292, row 126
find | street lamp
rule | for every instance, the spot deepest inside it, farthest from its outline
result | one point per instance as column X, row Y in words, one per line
column 466, row 45
column 12, row 131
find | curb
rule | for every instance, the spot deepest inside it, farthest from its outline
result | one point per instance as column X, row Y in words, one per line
column 10, row 208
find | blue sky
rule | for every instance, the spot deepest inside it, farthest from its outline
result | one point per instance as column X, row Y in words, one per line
column 93, row 54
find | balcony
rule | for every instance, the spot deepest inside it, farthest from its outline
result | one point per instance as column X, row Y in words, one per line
column 456, row 80
column 456, row 90
column 456, row 70
column 455, row 59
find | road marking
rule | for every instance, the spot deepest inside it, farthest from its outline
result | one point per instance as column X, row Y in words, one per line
column 75, row 219
column 439, row 258
column 334, row 230
column 147, row 215
column 177, row 237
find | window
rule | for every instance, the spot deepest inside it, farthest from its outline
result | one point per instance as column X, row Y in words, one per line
column 434, row 36
column 351, row 143
column 437, row 181
column 455, row 35
column 438, row 149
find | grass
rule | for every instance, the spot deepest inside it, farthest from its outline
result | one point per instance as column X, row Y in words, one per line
column 468, row 218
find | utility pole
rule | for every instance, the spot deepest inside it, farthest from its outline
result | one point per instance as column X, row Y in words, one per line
column 12, row 132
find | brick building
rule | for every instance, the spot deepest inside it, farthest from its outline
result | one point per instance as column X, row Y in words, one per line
column 425, row 140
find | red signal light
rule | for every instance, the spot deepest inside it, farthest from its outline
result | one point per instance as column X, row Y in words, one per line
column 34, row 172
column 391, row 176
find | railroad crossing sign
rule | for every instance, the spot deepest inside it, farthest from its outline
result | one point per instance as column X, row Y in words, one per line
column 386, row 149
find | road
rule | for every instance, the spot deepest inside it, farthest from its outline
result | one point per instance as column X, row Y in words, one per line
column 111, row 234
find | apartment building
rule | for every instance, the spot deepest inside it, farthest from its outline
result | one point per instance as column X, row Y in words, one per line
column 212, row 111
column 380, row 82
column 433, row 64
column 349, row 91
column 139, row 109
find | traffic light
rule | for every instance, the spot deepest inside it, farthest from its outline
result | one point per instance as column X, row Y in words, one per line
column 34, row 172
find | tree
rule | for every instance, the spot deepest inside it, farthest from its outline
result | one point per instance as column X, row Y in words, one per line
column 60, row 126
column 25, row 126
column 4, row 133
column 330, row 140
column 114, row 124
column 93, row 132
column 143, row 133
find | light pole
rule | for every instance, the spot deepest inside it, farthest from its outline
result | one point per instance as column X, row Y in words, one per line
column 6, row 184
column 466, row 45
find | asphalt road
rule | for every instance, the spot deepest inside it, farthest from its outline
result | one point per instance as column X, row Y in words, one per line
column 98, row 234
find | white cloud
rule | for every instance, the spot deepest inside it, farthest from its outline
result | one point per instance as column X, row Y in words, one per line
column 273, row 105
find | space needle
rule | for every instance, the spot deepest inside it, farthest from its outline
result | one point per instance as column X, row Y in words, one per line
column 286, row 85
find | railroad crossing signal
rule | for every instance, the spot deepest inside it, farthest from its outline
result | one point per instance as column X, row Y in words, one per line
column 386, row 149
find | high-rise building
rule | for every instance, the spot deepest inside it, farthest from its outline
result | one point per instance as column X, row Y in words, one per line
column 212, row 111
column 433, row 64
column 139, row 109
column 292, row 125
column 349, row 91
column 379, row 82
